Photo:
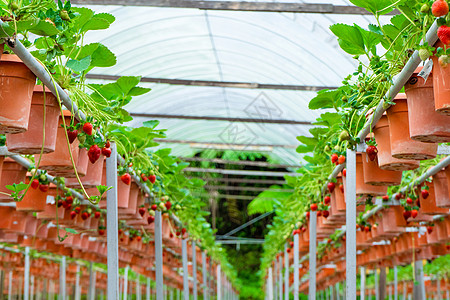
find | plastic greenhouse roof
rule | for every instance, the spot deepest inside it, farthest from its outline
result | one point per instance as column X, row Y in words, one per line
column 260, row 47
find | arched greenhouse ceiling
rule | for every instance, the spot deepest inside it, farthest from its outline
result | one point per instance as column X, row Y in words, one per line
column 257, row 47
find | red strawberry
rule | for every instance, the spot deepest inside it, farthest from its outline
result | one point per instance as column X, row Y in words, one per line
column 68, row 206
column 73, row 214
column 152, row 178
column 60, row 203
column 341, row 188
column 94, row 153
column 325, row 214
column 406, row 214
column 106, row 152
column 372, row 152
column 138, row 238
column 425, row 194
column 409, row 201
column 367, row 229
column 291, row 244
column 327, row 200
column 341, row 159
column 288, row 250
column 304, row 228
column 84, row 215
column 331, row 186
column 126, row 178
column 178, row 233
column 334, row 158
column 444, row 34
column 429, row 229
column 69, row 199
column 183, row 231
column 101, row 231
column 154, row 207
column 107, row 144
column 307, row 215
column 414, row 213
column 77, row 209
column 344, row 172
column 97, row 215
column 313, row 207
column 398, row 196
column 35, row 184
column 88, row 128
column 171, row 235
column 144, row 178
column 43, row 187
column 319, row 213
column 385, row 198
column 168, row 205
column 447, row 247
column 120, row 231
column 142, row 211
column 439, row 8
column 72, row 135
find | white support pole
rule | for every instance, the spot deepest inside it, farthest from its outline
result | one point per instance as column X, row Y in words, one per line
column 286, row 272
column 138, row 288
column 125, row 283
column 312, row 254
column 26, row 289
column 10, row 275
column 280, row 277
column 112, row 225
column 204, row 274
column 395, row 283
column 270, row 285
column 194, row 269
column 32, row 288
column 338, row 296
column 331, row 293
column 158, row 256
column 404, row 290
column 351, row 225
column 62, row 279
column 219, row 283
column 148, row 289
column 92, row 281
column 363, row 283
column 185, row 269
column 377, row 289
column 296, row 266
column 418, row 269
column 77, row 284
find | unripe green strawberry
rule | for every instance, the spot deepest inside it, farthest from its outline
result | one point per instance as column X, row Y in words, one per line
column 443, row 61
column 14, row 5
column 425, row 8
column 64, row 15
column 162, row 206
column 424, row 54
column 151, row 213
column 344, row 136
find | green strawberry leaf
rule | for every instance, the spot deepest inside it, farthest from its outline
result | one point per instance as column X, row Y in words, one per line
column 79, row 65
column 324, row 99
column 44, row 28
column 350, row 38
column 70, row 230
column 376, row 7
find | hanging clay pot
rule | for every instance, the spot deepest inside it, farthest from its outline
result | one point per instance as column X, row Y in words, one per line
column 373, row 175
column 402, row 146
column 441, row 85
column 131, row 209
column 425, row 124
column 441, row 189
column 82, row 165
column 34, row 200
column 363, row 189
column 30, row 142
column 93, row 175
column 123, row 194
column 428, row 206
column 385, row 160
column 16, row 90
column 59, row 162
column 12, row 172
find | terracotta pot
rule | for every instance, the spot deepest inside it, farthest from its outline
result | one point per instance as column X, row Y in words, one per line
column 441, row 189
column 425, row 124
column 30, row 142
column 123, row 194
column 12, row 172
column 363, row 189
column 34, row 200
column 373, row 175
column 385, row 160
column 16, row 82
column 59, row 162
column 93, row 176
column 441, row 85
column 428, row 206
column 133, row 198
column 402, row 146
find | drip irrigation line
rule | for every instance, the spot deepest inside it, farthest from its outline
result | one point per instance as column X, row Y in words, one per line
column 246, row 224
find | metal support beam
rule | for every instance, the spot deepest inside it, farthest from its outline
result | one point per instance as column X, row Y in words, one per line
column 246, row 188
column 138, row 288
column 92, row 280
column 351, row 225
column 262, row 164
column 382, row 287
column 185, row 269
column 286, row 272
column 204, row 276
column 219, row 283
column 194, row 269
column 62, row 279
column 363, row 283
column 419, row 292
column 112, row 225
column 312, row 254
column 296, row 266
column 241, row 172
column 377, row 285
column 280, row 277
column 270, row 284
column 241, row 180
column 310, row 8
column 125, row 283
column 247, row 224
column 26, row 288
column 226, row 146
column 148, row 289
column 159, row 256
column 77, row 284
column 395, row 283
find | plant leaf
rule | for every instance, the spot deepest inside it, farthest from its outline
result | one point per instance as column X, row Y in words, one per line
column 79, row 65
column 349, row 38
column 44, row 28
column 70, row 230
column 324, row 99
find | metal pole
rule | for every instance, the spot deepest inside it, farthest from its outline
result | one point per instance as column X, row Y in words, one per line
column 205, row 287
column 280, row 277
column 286, row 273
column 158, row 256
column 32, row 288
column 331, row 293
column 270, row 285
column 92, row 281
column 26, row 288
column 185, row 269
column 296, row 266
column 404, row 290
column 112, row 225
column 219, row 284
column 77, row 284
column 194, row 268
column 10, row 285
column 382, row 283
column 351, row 225
column 148, row 289
column 363, row 283
column 419, row 289
column 125, row 284
column 62, row 279
column 337, row 291
column 395, row 283
column 377, row 289
column 138, row 288
column 312, row 254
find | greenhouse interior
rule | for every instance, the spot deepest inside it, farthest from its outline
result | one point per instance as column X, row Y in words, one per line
column 187, row 149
